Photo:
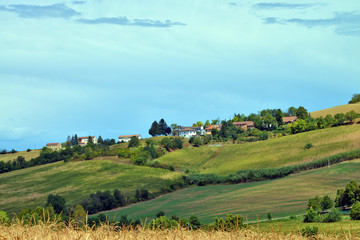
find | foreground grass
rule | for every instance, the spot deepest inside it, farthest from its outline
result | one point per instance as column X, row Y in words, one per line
column 272, row 153
column 27, row 155
column 58, row 231
column 282, row 197
column 338, row 109
column 287, row 226
column 74, row 180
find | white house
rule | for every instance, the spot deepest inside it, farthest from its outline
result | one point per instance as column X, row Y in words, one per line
column 84, row 140
column 188, row 132
column 126, row 138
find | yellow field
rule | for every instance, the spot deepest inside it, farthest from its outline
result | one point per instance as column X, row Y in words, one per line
column 27, row 155
column 338, row 109
column 59, row 232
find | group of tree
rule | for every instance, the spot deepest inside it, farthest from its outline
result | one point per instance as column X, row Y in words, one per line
column 309, row 123
column 355, row 98
column 172, row 143
column 102, row 201
column 4, row 151
column 158, row 129
column 322, row 210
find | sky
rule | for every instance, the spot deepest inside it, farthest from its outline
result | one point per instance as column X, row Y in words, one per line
column 110, row 68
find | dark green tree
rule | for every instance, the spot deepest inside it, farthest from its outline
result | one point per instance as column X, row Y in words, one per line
column 292, row 111
column 326, row 203
column 155, row 129
column 355, row 98
column 355, row 211
column 194, row 222
column 134, row 142
column 100, row 140
column 351, row 116
column 302, row 113
column 57, row 202
column 163, row 127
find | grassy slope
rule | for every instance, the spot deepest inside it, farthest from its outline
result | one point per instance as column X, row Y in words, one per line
column 26, row 155
column 271, row 153
column 281, row 197
column 338, row 109
column 75, row 180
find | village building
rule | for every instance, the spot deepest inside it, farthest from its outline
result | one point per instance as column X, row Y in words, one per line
column 54, row 146
column 127, row 138
column 188, row 132
column 244, row 125
column 210, row 127
column 83, row 141
column 288, row 120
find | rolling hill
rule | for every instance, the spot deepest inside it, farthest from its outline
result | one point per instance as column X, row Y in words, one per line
column 27, row 155
column 74, row 180
column 282, row 197
column 338, row 109
column 277, row 152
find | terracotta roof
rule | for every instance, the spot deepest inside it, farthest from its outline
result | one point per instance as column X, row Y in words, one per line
column 289, row 119
column 248, row 123
column 188, row 129
column 213, row 126
column 52, row 144
column 129, row 136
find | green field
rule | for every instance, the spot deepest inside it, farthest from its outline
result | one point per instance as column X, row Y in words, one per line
column 74, row 180
column 282, row 197
column 27, row 155
column 292, row 226
column 272, row 153
column 338, row 109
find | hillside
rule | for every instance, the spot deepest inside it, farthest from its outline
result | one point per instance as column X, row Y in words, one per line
column 338, row 109
column 74, row 180
column 282, row 197
column 272, row 153
column 25, row 154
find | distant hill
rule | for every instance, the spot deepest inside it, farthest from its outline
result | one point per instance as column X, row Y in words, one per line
column 277, row 152
column 338, row 109
column 27, row 155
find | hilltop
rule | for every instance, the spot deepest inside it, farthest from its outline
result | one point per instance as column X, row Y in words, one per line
column 338, row 109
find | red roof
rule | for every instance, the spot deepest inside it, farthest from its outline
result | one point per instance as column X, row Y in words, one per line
column 129, row 136
column 289, row 119
column 52, row 144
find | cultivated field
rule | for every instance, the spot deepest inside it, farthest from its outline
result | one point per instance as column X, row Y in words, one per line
column 272, row 153
column 282, row 197
column 27, row 155
column 74, row 180
column 338, row 109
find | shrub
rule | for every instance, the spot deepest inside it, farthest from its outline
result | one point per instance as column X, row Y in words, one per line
column 311, row 215
column 269, row 216
column 355, row 211
column 197, row 142
column 4, row 217
column 160, row 214
column 134, row 142
column 308, row 146
column 310, row 232
column 333, row 216
column 355, row 98
column 28, row 150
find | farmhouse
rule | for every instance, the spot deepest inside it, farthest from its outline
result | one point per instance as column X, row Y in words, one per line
column 244, row 125
column 54, row 146
column 126, row 138
column 83, row 141
column 188, row 132
column 210, row 127
column 288, row 120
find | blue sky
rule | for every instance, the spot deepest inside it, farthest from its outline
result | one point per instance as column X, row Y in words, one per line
column 109, row 68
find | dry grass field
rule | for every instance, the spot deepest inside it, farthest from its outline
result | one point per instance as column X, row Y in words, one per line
column 27, row 155
column 59, row 232
column 338, row 109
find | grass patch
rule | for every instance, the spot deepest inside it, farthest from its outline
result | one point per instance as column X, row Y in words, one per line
column 74, row 180
column 27, row 155
column 338, row 109
column 272, row 153
column 282, row 197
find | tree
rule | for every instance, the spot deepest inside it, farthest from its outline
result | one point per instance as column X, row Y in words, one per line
column 120, row 199
column 160, row 214
column 207, row 123
column 326, row 203
column 100, row 140
column 292, row 111
column 155, row 129
column 57, row 202
column 194, row 222
column 197, row 141
column 355, row 98
column 351, row 116
column 269, row 122
column 163, row 126
column 167, row 143
column 79, row 214
column 333, row 216
column 298, row 126
column 269, row 216
column 311, row 215
column 301, row 113
column 134, row 142
column 355, row 211
column 315, row 204
column 339, row 119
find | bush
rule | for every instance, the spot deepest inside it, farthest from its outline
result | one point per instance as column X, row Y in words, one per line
column 134, row 142
column 3, row 217
column 197, row 141
column 28, row 150
column 311, row 216
column 160, row 214
column 355, row 98
column 308, row 146
column 333, row 216
column 355, row 211
column 310, row 232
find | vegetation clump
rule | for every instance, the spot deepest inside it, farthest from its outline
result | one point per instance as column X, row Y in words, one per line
column 355, row 98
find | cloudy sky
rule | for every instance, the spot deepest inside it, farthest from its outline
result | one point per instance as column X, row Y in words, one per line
column 110, row 68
